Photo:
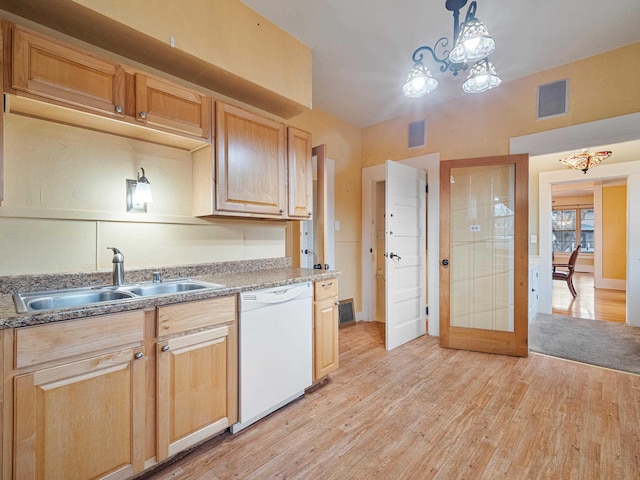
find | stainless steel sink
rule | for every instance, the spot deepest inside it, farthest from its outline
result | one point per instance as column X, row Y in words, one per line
column 77, row 297
column 66, row 298
column 168, row 287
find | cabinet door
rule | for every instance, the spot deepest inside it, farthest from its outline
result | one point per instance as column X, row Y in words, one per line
column 250, row 163
column 300, row 173
column 170, row 107
column 48, row 69
column 81, row 420
column 325, row 337
column 196, row 388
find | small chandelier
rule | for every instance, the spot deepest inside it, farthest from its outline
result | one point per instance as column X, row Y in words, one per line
column 473, row 44
column 584, row 160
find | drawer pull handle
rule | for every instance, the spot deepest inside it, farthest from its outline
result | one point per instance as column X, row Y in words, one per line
column 327, row 284
column 139, row 355
column 165, row 348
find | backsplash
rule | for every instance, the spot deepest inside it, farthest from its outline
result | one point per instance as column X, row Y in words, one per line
column 30, row 283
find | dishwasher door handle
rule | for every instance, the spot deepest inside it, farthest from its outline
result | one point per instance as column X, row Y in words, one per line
column 280, row 296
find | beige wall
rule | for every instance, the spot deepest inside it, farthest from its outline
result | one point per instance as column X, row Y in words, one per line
column 600, row 87
column 614, row 236
column 344, row 147
column 65, row 203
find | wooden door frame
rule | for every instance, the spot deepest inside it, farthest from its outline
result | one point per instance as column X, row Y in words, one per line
column 491, row 341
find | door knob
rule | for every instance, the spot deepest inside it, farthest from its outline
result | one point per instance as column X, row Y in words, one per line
column 445, row 262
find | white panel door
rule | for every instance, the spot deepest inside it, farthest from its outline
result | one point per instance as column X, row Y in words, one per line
column 405, row 252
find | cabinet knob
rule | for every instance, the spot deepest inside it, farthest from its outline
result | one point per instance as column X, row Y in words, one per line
column 143, row 114
column 308, row 214
column 282, row 211
column 165, row 348
column 119, row 109
column 139, row 355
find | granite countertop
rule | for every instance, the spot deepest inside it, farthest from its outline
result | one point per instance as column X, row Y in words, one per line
column 236, row 276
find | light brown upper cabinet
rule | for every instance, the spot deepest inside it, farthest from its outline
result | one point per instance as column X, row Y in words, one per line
column 66, row 75
column 299, row 173
column 251, row 171
column 165, row 105
column 100, row 94
column 259, row 169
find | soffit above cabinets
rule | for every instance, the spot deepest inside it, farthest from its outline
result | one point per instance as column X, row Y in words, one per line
column 222, row 46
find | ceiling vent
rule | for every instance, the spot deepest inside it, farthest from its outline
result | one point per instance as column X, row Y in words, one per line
column 552, row 99
column 417, row 134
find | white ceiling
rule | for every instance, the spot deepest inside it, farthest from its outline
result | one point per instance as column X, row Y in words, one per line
column 362, row 48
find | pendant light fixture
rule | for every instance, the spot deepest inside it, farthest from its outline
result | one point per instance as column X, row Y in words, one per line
column 473, row 44
column 584, row 160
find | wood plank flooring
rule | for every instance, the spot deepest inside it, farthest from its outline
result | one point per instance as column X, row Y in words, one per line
column 590, row 303
column 422, row 412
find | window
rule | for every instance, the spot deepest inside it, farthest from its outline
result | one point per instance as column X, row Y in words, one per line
column 571, row 224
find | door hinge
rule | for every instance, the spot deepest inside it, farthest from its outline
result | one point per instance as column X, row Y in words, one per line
column 426, row 310
column 426, row 188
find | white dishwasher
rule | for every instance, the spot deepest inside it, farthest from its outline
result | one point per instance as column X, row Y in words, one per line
column 275, row 349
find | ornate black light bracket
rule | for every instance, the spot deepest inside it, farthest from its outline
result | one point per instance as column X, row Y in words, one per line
column 453, row 6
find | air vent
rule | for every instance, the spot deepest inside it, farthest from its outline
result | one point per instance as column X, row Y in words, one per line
column 552, row 99
column 345, row 313
column 417, row 134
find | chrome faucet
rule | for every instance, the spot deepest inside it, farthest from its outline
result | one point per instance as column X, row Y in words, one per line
column 118, row 266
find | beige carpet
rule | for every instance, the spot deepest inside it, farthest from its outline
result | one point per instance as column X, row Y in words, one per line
column 606, row 344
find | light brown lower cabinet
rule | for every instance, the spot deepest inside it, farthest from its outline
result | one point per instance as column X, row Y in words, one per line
column 197, row 373
column 80, row 418
column 80, row 395
column 325, row 328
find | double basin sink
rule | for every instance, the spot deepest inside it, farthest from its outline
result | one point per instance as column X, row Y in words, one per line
column 78, row 297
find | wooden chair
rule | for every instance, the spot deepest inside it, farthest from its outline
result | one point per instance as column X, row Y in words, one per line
column 568, row 275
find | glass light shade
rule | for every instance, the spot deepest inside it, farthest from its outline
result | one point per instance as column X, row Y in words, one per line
column 584, row 160
column 419, row 81
column 473, row 43
column 142, row 193
column 482, row 77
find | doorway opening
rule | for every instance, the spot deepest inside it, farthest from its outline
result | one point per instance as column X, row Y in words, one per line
column 591, row 214
column 374, row 300
column 316, row 237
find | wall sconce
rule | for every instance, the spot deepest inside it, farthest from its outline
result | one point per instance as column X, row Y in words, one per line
column 138, row 193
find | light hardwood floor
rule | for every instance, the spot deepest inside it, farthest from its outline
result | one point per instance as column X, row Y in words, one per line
column 591, row 303
column 422, row 412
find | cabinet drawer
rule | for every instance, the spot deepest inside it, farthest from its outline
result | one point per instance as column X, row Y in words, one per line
column 61, row 340
column 325, row 289
column 182, row 317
